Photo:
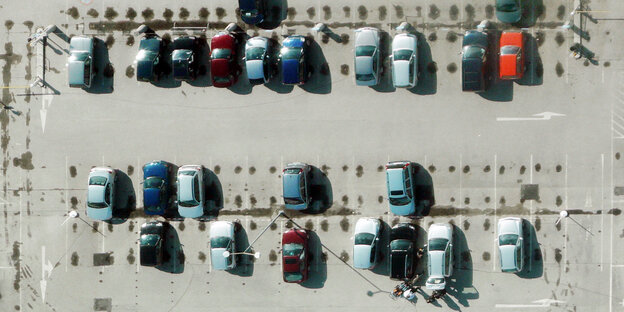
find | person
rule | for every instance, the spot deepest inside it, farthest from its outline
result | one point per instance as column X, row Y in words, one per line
column 409, row 294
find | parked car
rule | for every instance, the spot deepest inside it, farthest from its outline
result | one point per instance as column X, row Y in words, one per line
column 296, row 186
column 439, row 255
column 366, row 250
column 509, row 11
column 293, row 60
column 511, row 55
column 510, row 244
column 474, row 58
column 185, row 57
column 402, row 238
column 148, row 60
column 400, row 188
column 404, row 60
column 258, row 60
column 295, row 255
column 252, row 11
column 151, row 243
column 80, row 65
column 156, row 187
column 190, row 185
column 223, row 63
column 101, row 193
column 367, row 63
column 222, row 239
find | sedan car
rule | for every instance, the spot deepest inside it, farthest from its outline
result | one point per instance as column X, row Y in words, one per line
column 510, row 244
column 402, row 238
column 511, row 55
column 148, row 60
column 190, row 185
column 101, row 193
column 367, row 64
column 295, row 185
column 474, row 57
column 223, row 62
column 295, row 256
column 400, row 189
column 404, row 60
column 252, row 11
column 185, row 57
column 439, row 255
column 257, row 60
column 151, row 243
column 222, row 245
column 156, row 187
column 80, row 65
column 293, row 60
column 366, row 243
column 509, row 11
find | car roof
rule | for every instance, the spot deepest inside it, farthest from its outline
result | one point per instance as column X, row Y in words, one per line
column 436, row 263
column 186, row 187
column 364, row 65
column 95, row 193
column 291, row 185
column 361, row 256
column 395, row 178
column 508, row 257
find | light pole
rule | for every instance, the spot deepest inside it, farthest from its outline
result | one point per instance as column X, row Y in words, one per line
column 564, row 214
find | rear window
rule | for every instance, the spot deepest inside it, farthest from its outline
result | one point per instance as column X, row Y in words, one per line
column 97, row 181
column 509, row 50
column 364, row 239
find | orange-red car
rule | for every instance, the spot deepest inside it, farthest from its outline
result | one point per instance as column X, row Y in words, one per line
column 511, row 56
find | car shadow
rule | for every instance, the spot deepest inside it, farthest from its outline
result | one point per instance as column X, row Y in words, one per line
column 383, row 265
column 533, row 264
column 245, row 263
column 104, row 79
column 459, row 284
column 320, row 192
column 420, row 264
column 166, row 79
column 427, row 68
column 531, row 11
column 317, row 275
column 423, row 189
column 174, row 254
column 276, row 12
column 125, row 198
column 203, row 72
column 171, row 213
column 534, row 70
column 214, row 196
column 242, row 85
column 385, row 77
column 320, row 81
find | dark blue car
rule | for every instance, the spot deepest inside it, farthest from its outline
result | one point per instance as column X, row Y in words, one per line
column 292, row 56
column 251, row 11
column 156, row 187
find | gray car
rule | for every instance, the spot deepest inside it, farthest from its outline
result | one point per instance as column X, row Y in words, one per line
column 367, row 64
column 510, row 244
column 80, row 68
column 509, row 11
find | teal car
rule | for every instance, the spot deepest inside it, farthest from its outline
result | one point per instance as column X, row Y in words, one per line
column 296, row 179
column 509, row 11
column 400, row 189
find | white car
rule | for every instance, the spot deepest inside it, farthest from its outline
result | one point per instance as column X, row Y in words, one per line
column 510, row 244
column 257, row 60
column 101, row 193
column 80, row 67
column 222, row 245
column 404, row 60
column 366, row 241
column 190, row 185
column 439, row 255
column 367, row 56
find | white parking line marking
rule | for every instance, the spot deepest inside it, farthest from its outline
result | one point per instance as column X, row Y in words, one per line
column 67, row 210
column 602, row 212
column 495, row 207
column 531, row 182
column 460, row 180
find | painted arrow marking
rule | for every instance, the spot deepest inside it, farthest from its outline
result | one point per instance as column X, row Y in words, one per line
column 542, row 303
column 46, row 101
column 536, row 117
column 46, row 269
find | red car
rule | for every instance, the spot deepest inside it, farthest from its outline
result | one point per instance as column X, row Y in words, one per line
column 511, row 55
column 295, row 255
column 223, row 64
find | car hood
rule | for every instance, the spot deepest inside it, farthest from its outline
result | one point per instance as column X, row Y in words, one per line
column 255, row 69
column 366, row 38
column 436, row 263
column 400, row 73
column 507, row 257
column 361, row 256
column 218, row 261
column 80, row 44
column 440, row 231
column 100, row 213
column 290, row 71
column 220, row 67
column 366, row 226
column 155, row 170
column 508, row 226
column 151, row 197
column 404, row 41
column 363, row 65
column 221, row 228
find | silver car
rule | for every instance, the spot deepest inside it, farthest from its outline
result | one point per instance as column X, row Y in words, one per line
column 257, row 60
column 222, row 245
column 101, row 193
column 439, row 255
column 365, row 244
column 367, row 62
column 510, row 244
column 80, row 69
column 190, row 184
column 404, row 60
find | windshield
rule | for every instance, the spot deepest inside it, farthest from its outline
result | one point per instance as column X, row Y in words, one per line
column 189, row 203
column 79, row 56
column 97, row 181
column 220, row 54
column 218, row 79
column 292, row 249
column 293, row 201
column 399, row 244
column 254, row 53
column 474, row 52
column 401, row 201
column 508, row 239
column 507, row 50
column 364, row 51
column 219, row 242
column 438, row 244
column 96, row 205
column 364, row 239
column 152, row 182
column 364, row 77
column 291, row 53
column 292, row 277
column 506, row 7
column 402, row 55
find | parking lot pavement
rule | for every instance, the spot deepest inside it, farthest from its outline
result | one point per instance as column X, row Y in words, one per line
column 532, row 148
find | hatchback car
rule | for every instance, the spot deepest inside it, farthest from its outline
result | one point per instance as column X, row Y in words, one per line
column 156, row 187
column 222, row 245
column 366, row 243
column 509, row 11
column 80, row 65
column 400, row 189
column 148, row 60
column 101, row 193
column 402, row 238
column 439, row 255
column 295, row 256
column 251, row 11
column 190, row 185
column 510, row 244
column 151, row 243
column 185, row 57
column 223, row 62
column 404, row 60
column 258, row 60
column 295, row 185
column 367, row 64
column 474, row 58
column 293, row 60
column 511, row 55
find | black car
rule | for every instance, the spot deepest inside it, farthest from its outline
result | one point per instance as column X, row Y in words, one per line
column 474, row 58
column 251, row 11
column 152, row 243
column 185, row 57
column 402, row 238
column 149, row 59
